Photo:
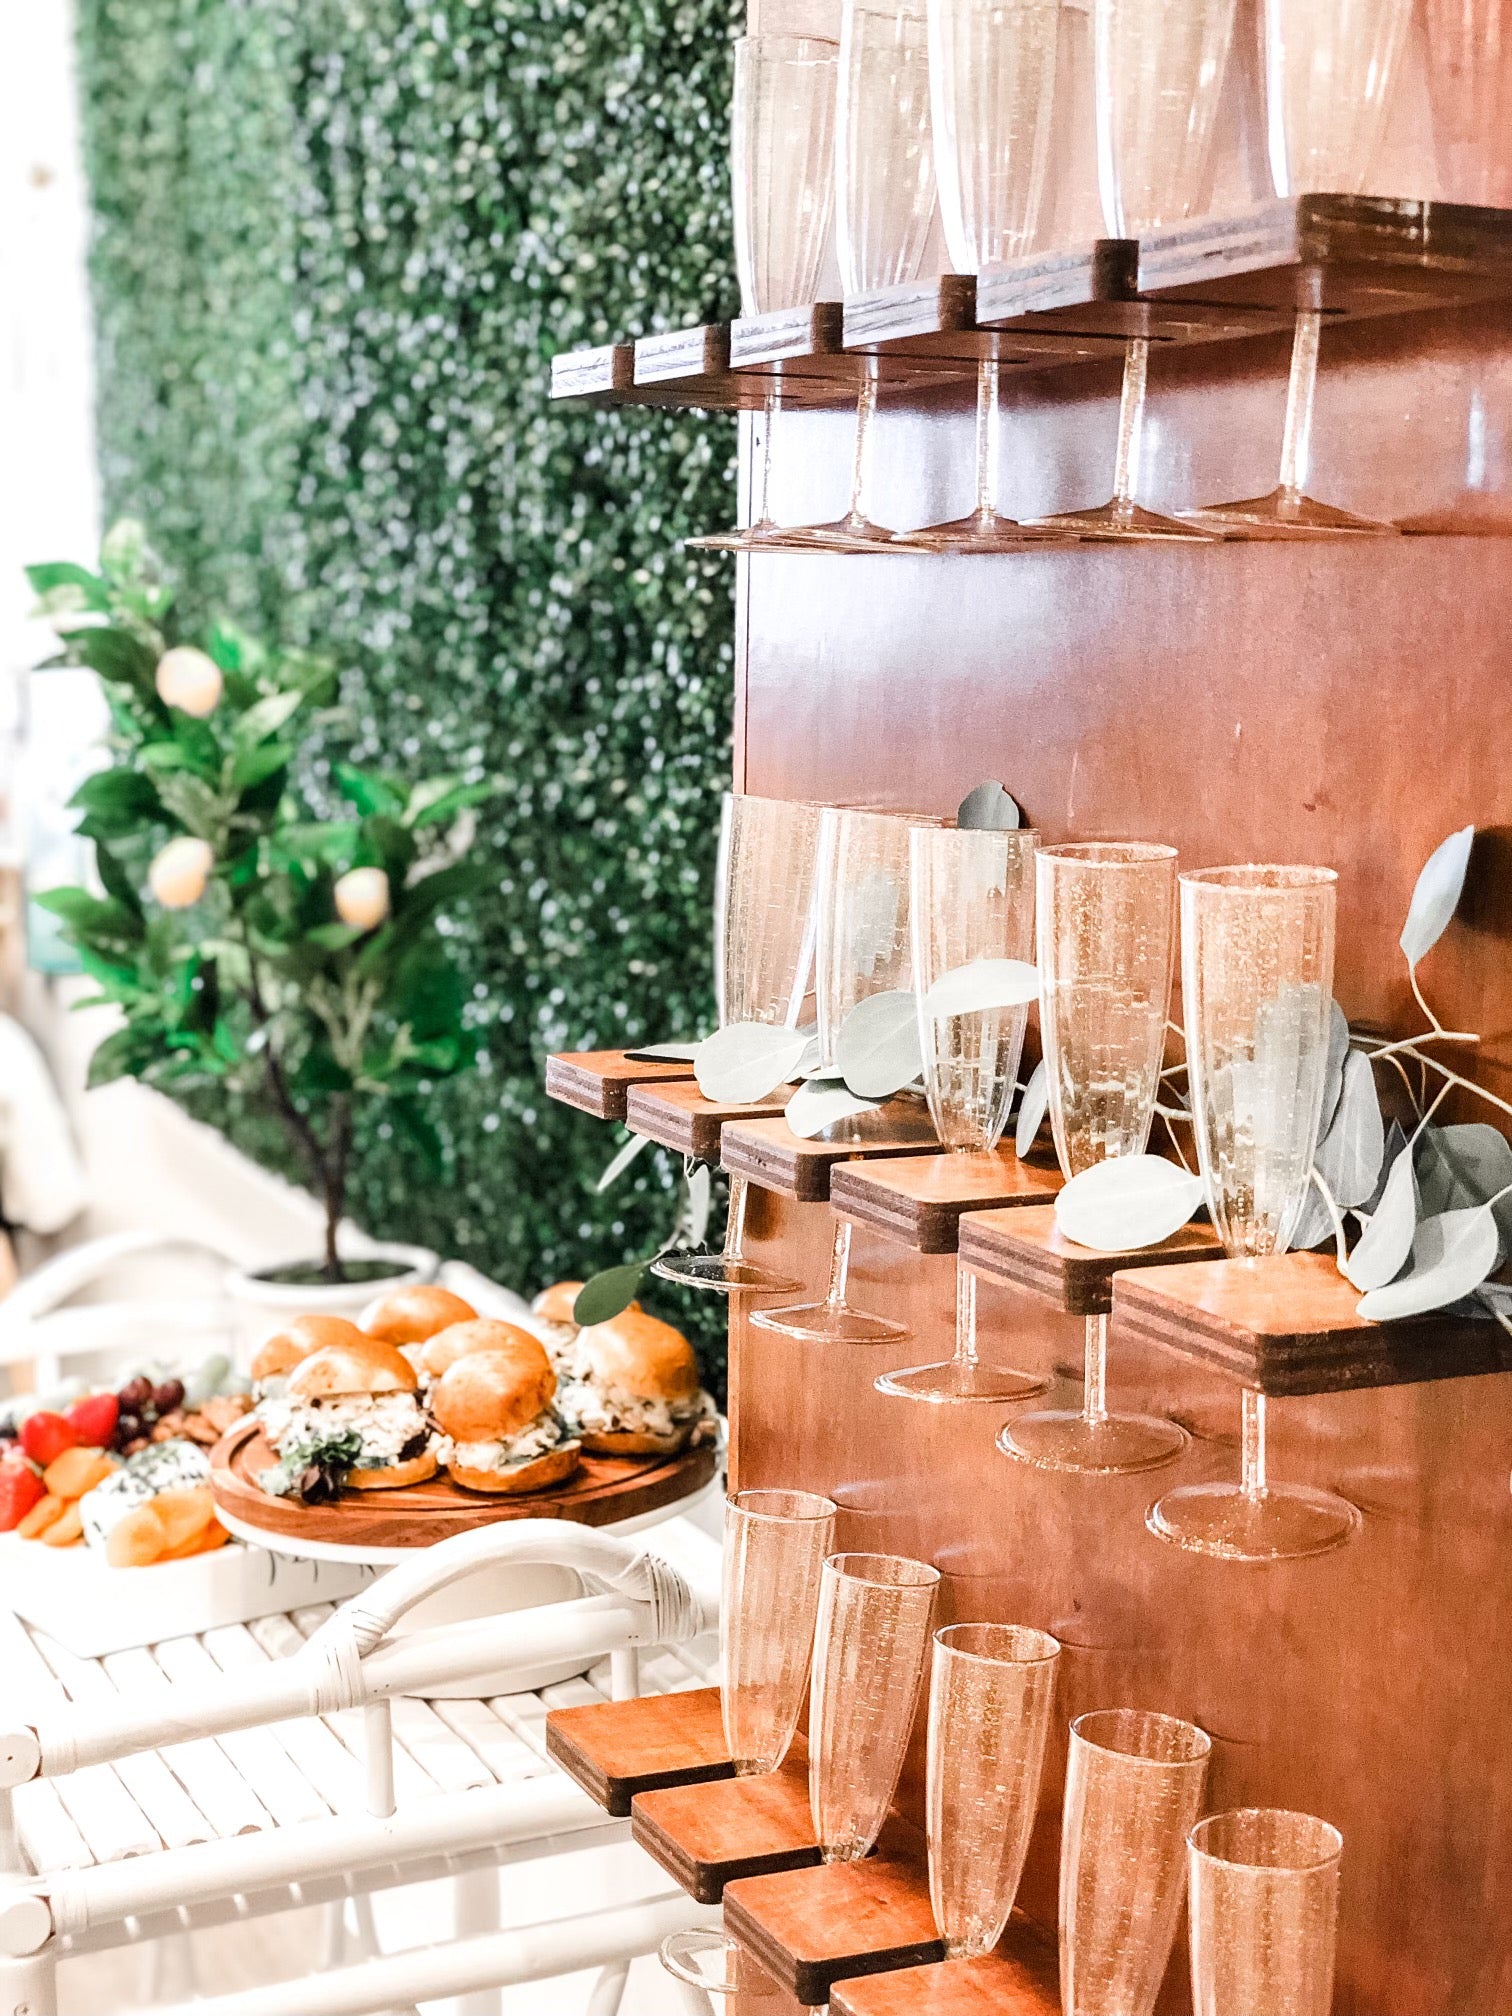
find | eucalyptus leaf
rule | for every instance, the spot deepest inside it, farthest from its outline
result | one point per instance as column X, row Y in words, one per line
column 1333, row 1070
column 984, row 984
column 1126, row 1203
column 621, row 1161
column 1396, row 1141
column 1452, row 1254
column 607, row 1294
column 1032, row 1109
column 1315, row 1226
column 819, row 1104
column 1460, row 1166
column 877, row 1050
column 663, row 1053
column 1436, row 894
column 1350, row 1155
column 747, row 1061
column 1386, row 1245
column 988, row 809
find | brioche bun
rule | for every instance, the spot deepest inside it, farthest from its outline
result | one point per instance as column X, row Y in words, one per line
column 411, row 1314
column 554, row 1304
column 298, row 1340
column 637, row 1441
column 535, row 1475
column 364, row 1367
column 640, row 1355
column 415, row 1471
column 487, row 1396
column 482, row 1333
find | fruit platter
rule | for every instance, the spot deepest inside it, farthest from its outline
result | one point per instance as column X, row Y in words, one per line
column 422, row 1420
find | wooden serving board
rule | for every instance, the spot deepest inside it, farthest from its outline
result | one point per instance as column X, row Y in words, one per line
column 606, row 1489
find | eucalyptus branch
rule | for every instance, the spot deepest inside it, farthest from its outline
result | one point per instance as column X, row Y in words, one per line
column 1166, row 1116
column 1341, row 1241
column 1444, row 1035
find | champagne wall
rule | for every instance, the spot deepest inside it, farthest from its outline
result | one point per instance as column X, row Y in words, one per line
column 335, row 247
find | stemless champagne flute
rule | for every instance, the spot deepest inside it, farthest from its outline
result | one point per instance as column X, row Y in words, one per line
column 1105, row 928
column 1330, row 68
column 763, row 953
column 1264, row 1913
column 1134, row 1783
column 884, row 172
column 991, row 1692
column 972, row 897
column 992, row 88
column 1257, row 949
column 1158, row 78
column 782, row 182
column 775, row 1545
column 870, row 1651
column 862, row 949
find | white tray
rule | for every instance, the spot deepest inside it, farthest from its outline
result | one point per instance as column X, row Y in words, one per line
column 75, row 1596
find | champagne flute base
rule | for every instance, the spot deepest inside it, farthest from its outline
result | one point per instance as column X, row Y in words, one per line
column 744, row 539
column 956, row 1381
column 1285, row 1522
column 829, row 1323
column 1109, row 1445
column 1284, row 514
column 1121, row 519
column 854, row 533
column 721, row 1274
column 981, row 532
column 707, row 1960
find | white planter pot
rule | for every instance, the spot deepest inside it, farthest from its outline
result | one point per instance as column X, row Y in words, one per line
column 262, row 1307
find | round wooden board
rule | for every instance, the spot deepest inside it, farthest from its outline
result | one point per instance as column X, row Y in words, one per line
column 604, row 1490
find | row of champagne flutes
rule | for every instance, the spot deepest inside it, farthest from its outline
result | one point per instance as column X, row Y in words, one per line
column 951, row 102
column 955, row 915
column 856, row 1630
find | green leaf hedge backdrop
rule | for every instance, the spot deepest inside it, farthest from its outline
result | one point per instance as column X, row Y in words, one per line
column 337, row 243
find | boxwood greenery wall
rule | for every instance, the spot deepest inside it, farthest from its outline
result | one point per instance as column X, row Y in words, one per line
column 337, row 243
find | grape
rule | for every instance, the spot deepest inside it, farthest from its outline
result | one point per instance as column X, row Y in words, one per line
column 168, row 1396
column 135, row 1395
column 128, row 1428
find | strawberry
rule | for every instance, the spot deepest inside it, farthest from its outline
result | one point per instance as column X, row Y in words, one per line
column 44, row 1437
column 93, row 1419
column 20, row 1488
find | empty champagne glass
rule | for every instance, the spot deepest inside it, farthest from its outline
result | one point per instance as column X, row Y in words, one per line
column 1257, row 953
column 1264, row 1913
column 862, row 949
column 972, row 896
column 1330, row 68
column 1158, row 79
column 991, row 1693
column 870, row 1650
column 763, row 955
column 1134, row 1784
column 1469, row 55
column 1105, row 929
column 782, row 182
column 992, row 88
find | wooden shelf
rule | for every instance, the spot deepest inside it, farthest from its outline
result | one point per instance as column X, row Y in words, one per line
column 616, row 1749
column 1288, row 1325
column 1022, row 1978
column 1216, row 280
column 1027, row 1250
column 919, row 1200
column 597, row 1081
column 770, row 1154
column 809, row 1928
column 680, row 1118
column 706, row 1836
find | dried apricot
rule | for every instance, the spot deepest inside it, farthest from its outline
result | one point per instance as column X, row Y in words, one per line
column 65, row 1531
column 41, row 1516
column 77, row 1471
column 184, row 1512
column 137, row 1540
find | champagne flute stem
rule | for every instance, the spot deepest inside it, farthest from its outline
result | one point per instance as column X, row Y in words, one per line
column 1252, row 1446
column 966, row 1314
column 1301, row 386
column 834, row 1295
column 1095, row 1396
column 769, row 421
column 735, row 1222
column 1131, row 406
column 866, row 406
column 986, row 437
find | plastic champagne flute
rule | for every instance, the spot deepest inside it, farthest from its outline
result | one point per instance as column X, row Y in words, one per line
column 1264, row 1913
column 1257, row 955
column 1105, row 928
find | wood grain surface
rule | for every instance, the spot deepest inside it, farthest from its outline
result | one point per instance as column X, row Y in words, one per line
column 1021, row 1978
column 680, row 1118
column 1027, row 1250
column 709, row 1835
column 811, row 1927
column 773, row 1156
column 598, row 1081
column 615, row 1749
column 920, row 1201
column 606, row 1488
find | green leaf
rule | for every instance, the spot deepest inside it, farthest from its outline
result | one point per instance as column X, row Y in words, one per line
column 412, row 1118
column 118, row 883
column 265, row 719
column 255, row 766
column 444, row 797
column 334, row 937
column 118, row 656
column 193, row 803
column 125, row 1053
column 118, row 794
column 87, row 916
column 608, row 1294
column 51, row 575
column 124, row 552
column 369, row 792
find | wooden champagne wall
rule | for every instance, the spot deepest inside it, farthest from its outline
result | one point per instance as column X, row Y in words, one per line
column 1343, row 702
